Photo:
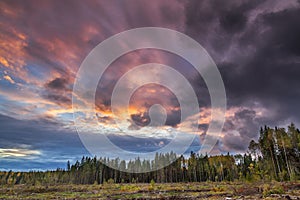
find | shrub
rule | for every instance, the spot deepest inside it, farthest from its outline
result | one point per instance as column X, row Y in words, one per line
column 110, row 181
column 268, row 190
column 151, row 186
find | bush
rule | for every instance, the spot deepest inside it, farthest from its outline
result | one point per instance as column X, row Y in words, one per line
column 218, row 188
column 110, row 181
column 152, row 184
column 268, row 190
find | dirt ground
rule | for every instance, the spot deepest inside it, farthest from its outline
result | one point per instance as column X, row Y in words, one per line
column 167, row 191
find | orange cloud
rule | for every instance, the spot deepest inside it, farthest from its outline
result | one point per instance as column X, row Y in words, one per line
column 9, row 79
column 36, row 52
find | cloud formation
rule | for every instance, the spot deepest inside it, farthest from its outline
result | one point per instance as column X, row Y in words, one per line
column 11, row 153
column 255, row 45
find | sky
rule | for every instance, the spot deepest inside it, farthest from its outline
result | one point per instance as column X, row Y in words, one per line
column 255, row 45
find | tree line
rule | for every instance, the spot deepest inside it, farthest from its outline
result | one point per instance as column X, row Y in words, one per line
column 275, row 156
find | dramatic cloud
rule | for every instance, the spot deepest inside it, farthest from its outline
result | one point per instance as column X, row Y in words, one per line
column 58, row 84
column 254, row 43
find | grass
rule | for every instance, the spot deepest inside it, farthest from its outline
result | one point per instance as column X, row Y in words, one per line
column 206, row 190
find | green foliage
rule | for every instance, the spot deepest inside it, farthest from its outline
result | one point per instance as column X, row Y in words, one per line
column 152, row 183
column 276, row 189
column 129, row 188
column 275, row 156
column 110, row 181
column 280, row 151
column 151, row 186
column 218, row 188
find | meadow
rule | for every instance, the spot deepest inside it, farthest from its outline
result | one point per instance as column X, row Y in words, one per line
column 205, row 190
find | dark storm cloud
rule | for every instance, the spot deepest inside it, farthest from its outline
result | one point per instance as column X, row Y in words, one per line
column 269, row 74
column 240, row 129
column 59, row 99
column 58, row 84
column 173, row 118
column 25, row 131
column 233, row 21
column 234, row 143
column 143, row 119
column 284, row 33
column 203, row 17
column 58, row 91
column 256, row 46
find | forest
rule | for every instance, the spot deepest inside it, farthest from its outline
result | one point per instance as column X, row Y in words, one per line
column 274, row 157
